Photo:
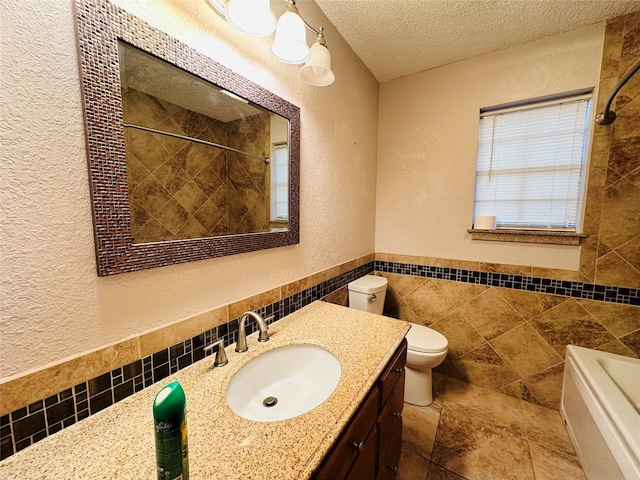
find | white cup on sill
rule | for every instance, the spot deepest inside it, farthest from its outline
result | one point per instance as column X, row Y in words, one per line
column 485, row 222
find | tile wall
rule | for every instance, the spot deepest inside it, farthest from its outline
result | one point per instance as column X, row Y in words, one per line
column 508, row 332
column 611, row 252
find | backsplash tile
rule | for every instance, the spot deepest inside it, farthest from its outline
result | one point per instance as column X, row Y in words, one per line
column 28, row 425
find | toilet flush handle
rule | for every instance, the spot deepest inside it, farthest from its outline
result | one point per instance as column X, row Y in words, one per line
column 372, row 297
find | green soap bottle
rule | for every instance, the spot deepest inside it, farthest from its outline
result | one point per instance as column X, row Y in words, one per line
column 170, row 421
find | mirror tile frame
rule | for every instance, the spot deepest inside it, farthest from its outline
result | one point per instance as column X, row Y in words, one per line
column 99, row 26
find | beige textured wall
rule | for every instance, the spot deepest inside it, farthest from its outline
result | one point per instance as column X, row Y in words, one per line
column 53, row 304
column 427, row 146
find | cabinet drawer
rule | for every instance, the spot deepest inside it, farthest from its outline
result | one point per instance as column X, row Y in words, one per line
column 391, row 417
column 391, row 375
column 346, row 452
column 391, row 461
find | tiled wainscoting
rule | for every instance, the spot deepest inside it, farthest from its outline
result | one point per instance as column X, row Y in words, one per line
column 38, row 419
column 506, row 332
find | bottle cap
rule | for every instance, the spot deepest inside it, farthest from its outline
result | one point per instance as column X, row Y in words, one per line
column 169, row 401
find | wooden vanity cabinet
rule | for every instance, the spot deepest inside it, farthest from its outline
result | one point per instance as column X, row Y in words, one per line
column 352, row 451
column 370, row 445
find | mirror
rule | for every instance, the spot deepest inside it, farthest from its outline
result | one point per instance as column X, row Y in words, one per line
column 188, row 160
column 198, row 157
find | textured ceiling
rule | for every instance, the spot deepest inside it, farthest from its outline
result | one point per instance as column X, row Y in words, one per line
column 395, row 38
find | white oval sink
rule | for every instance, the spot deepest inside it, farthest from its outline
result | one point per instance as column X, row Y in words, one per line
column 298, row 377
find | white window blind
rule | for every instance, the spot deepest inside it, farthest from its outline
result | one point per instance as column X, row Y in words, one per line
column 280, row 183
column 529, row 165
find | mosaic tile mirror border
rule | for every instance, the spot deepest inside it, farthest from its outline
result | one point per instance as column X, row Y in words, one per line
column 100, row 24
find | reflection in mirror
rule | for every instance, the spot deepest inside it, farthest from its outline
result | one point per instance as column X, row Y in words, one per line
column 187, row 159
column 201, row 161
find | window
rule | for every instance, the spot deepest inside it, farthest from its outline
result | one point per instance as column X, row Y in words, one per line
column 530, row 164
column 280, row 183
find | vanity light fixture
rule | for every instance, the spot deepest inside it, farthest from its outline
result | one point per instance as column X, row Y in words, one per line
column 254, row 17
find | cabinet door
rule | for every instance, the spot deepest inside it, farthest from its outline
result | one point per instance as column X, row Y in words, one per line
column 391, row 417
column 364, row 468
column 390, row 463
column 351, row 444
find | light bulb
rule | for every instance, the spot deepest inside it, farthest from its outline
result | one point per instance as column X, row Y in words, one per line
column 317, row 70
column 290, row 44
column 253, row 17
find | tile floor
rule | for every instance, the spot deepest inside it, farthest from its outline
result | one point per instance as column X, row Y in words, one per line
column 471, row 433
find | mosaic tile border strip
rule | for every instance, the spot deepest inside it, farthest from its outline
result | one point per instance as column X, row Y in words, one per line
column 587, row 291
column 28, row 425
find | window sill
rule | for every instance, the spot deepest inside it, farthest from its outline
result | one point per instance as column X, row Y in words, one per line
column 527, row 236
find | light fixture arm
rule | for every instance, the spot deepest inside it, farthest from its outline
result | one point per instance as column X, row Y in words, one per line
column 319, row 32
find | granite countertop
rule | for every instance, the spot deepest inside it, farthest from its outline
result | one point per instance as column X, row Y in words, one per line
column 118, row 442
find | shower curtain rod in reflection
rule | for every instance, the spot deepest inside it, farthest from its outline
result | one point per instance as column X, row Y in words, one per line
column 607, row 116
column 203, row 142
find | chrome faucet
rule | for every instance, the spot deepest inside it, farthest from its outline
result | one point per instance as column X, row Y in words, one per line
column 241, row 344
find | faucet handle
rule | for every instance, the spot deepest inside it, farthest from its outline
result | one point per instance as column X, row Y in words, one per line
column 221, row 356
column 263, row 336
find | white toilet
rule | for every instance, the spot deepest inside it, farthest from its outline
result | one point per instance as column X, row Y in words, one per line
column 426, row 348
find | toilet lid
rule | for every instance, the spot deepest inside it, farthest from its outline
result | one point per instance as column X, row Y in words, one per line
column 426, row 340
column 369, row 284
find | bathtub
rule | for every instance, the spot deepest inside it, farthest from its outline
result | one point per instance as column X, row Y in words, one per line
column 601, row 407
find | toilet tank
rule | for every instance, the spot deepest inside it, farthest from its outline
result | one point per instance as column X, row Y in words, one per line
column 368, row 293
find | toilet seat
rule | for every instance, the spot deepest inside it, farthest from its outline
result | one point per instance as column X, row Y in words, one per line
column 426, row 340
